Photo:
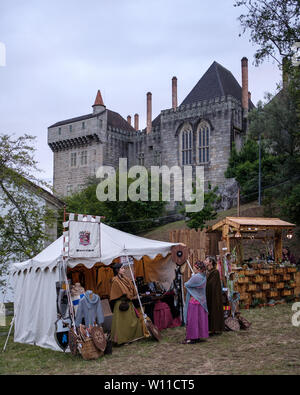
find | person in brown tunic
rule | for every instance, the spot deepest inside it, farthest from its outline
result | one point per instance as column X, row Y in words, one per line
column 214, row 298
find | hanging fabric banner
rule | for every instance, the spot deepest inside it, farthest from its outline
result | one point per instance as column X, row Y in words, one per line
column 84, row 239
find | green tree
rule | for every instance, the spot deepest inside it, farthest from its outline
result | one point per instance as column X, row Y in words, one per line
column 129, row 216
column 274, row 26
column 23, row 219
column 198, row 219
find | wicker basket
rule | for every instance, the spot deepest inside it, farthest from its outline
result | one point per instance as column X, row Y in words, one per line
column 292, row 284
column 265, row 271
column 244, row 296
column 272, row 294
column 287, row 292
column 279, row 270
column 280, row 285
column 251, row 272
column 291, row 269
column 258, row 295
column 286, row 277
column 243, row 280
column 88, row 350
column 252, row 287
column 265, row 286
column 258, row 279
column 273, row 279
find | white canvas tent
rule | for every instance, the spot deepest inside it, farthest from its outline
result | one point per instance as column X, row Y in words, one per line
column 34, row 281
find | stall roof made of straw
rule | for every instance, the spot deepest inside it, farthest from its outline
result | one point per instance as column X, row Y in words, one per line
column 240, row 222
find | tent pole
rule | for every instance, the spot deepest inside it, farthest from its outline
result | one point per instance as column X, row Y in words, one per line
column 141, row 306
column 10, row 328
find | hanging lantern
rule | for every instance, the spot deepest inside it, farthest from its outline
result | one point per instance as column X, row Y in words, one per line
column 289, row 234
column 238, row 234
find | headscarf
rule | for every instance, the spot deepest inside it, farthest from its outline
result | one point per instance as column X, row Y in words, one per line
column 196, row 287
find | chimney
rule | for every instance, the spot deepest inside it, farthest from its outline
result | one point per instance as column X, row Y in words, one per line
column 245, row 91
column 129, row 119
column 149, row 112
column 174, row 92
column 136, row 121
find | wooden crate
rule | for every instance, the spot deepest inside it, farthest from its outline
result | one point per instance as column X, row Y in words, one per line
column 291, row 269
column 265, row 286
column 286, row 277
column 287, row 292
column 279, row 270
column 243, row 280
column 272, row 278
column 258, row 279
column 258, row 295
column 252, row 287
column 265, row 271
column 251, row 272
column 272, row 294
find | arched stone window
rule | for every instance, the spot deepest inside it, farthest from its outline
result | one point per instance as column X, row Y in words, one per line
column 203, row 138
column 186, row 144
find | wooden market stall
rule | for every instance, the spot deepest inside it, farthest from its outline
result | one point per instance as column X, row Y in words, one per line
column 263, row 277
column 235, row 229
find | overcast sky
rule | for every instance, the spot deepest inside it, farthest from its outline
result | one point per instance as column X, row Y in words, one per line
column 58, row 53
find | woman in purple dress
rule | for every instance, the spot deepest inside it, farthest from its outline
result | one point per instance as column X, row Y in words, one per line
column 195, row 309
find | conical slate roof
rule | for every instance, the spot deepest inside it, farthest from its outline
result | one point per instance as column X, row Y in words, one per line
column 98, row 100
column 216, row 82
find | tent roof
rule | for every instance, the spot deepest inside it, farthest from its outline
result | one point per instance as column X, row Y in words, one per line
column 239, row 222
column 114, row 243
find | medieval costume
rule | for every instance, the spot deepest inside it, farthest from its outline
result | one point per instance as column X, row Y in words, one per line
column 195, row 309
column 90, row 310
column 214, row 301
column 126, row 325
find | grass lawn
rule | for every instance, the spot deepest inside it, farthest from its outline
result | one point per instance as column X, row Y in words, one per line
column 270, row 346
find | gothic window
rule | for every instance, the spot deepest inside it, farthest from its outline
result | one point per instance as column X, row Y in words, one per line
column 73, row 159
column 186, row 144
column 203, row 136
column 83, row 158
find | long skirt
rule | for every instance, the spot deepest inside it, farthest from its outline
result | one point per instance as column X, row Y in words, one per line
column 197, row 322
column 126, row 326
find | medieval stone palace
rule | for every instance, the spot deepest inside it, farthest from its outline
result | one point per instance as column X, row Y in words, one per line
column 199, row 132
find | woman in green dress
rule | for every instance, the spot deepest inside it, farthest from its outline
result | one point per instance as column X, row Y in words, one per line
column 126, row 325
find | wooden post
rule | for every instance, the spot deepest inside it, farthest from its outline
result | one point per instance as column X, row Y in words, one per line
column 278, row 244
column 225, row 237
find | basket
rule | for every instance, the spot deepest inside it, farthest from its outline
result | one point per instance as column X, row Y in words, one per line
column 88, row 350
column 258, row 279
column 272, row 294
column 280, row 285
column 265, row 271
column 252, row 287
column 286, row 277
column 292, row 284
column 287, row 292
column 265, row 286
column 291, row 269
column 243, row 280
column 273, row 279
column 258, row 295
column 279, row 270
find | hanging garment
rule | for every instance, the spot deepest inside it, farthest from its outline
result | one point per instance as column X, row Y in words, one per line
column 90, row 310
column 104, row 277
